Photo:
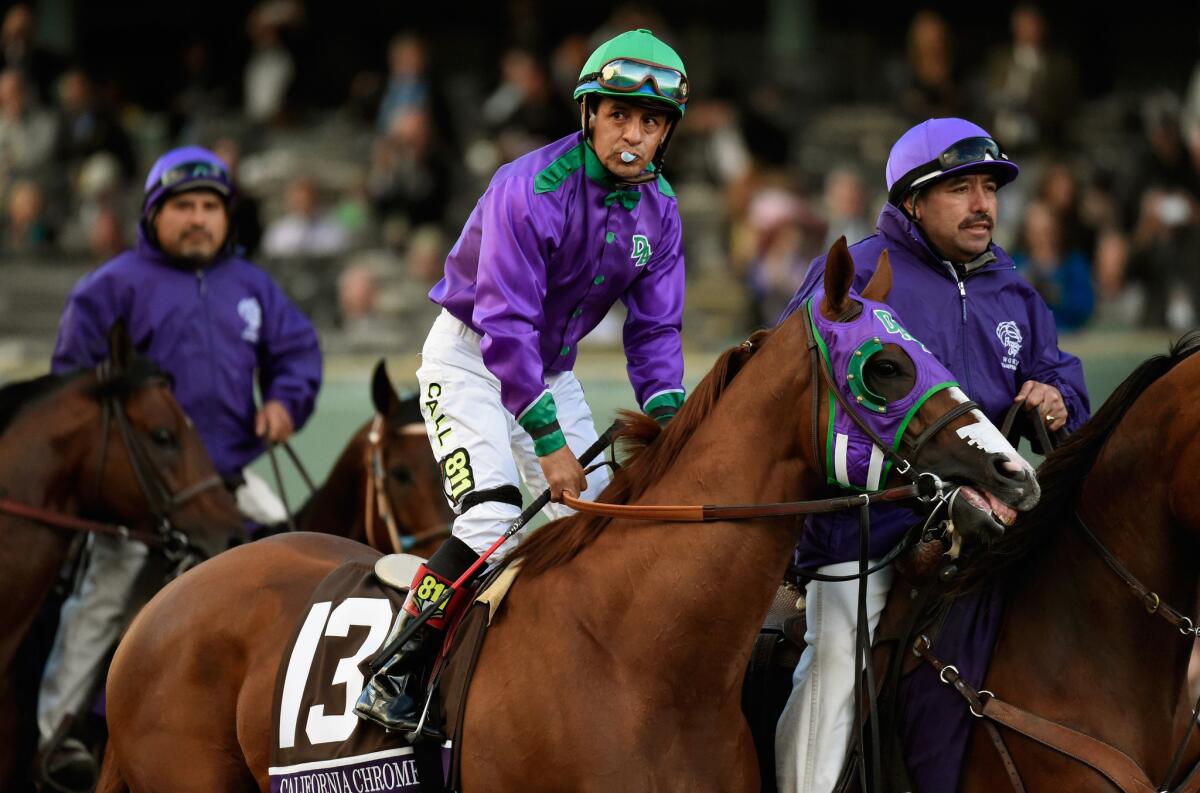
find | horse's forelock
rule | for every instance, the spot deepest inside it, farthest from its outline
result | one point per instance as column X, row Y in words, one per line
column 651, row 449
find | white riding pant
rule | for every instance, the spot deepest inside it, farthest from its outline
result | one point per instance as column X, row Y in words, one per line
column 96, row 612
column 479, row 444
column 815, row 728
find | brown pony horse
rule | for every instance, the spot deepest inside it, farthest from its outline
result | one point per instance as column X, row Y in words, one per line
column 55, row 457
column 617, row 659
column 1077, row 646
column 385, row 489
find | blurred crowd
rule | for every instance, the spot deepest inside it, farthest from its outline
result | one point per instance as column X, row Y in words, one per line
column 364, row 199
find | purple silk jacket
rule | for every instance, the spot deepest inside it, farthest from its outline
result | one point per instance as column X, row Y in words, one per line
column 549, row 248
column 210, row 328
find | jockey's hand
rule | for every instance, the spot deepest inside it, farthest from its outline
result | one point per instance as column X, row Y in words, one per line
column 273, row 422
column 1046, row 402
column 563, row 473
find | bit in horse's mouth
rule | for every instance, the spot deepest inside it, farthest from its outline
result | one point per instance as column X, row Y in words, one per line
column 988, row 503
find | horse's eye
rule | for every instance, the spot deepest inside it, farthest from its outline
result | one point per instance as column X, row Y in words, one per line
column 163, row 436
column 887, row 369
column 401, row 474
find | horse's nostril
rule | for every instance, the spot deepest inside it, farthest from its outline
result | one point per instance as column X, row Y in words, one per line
column 1009, row 470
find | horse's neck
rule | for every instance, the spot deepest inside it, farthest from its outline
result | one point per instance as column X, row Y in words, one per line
column 44, row 456
column 1083, row 615
column 341, row 497
column 717, row 580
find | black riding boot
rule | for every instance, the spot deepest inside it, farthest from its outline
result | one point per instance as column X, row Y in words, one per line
column 394, row 696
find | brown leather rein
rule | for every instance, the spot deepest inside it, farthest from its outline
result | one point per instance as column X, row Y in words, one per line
column 925, row 486
column 379, row 504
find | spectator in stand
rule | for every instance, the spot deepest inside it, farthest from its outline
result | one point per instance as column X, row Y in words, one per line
column 1161, row 202
column 410, row 172
column 306, row 230
column 1060, row 274
column 106, row 237
column 788, row 234
column 201, row 97
column 522, row 114
column 926, row 85
column 271, row 69
column 19, row 51
column 85, row 127
column 411, row 86
column 26, row 229
column 245, row 219
column 1059, row 190
column 26, row 132
column 1030, row 87
column 845, row 207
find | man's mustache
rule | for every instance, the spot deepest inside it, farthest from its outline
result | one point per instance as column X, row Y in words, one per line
column 978, row 217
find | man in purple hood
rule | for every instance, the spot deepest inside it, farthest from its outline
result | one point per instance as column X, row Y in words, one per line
column 960, row 294
column 212, row 320
column 559, row 236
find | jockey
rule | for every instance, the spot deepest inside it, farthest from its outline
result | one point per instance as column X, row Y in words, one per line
column 559, row 236
column 210, row 319
column 959, row 293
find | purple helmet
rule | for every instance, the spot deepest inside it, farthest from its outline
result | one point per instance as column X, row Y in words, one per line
column 939, row 147
column 183, row 169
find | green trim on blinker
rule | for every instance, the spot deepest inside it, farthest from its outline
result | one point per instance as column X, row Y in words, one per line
column 825, row 361
column 856, row 381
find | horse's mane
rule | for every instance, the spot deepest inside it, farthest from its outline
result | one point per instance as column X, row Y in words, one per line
column 14, row 397
column 1062, row 473
column 651, row 451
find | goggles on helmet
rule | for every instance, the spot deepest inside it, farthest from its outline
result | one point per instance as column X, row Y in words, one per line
column 627, row 75
column 968, row 151
column 194, row 172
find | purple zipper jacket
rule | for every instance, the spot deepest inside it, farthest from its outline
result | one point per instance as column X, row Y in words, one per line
column 209, row 328
column 549, row 248
column 994, row 332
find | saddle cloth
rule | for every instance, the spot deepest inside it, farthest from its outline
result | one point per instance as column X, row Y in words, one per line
column 319, row 744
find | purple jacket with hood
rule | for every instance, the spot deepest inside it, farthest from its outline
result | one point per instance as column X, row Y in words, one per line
column 210, row 328
column 991, row 329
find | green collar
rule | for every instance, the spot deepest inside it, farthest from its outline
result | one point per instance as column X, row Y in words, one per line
column 595, row 170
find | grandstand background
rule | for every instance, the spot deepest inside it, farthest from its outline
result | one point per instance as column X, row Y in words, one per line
column 363, row 132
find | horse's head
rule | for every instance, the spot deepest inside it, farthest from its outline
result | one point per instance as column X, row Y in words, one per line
column 151, row 468
column 910, row 402
column 403, row 461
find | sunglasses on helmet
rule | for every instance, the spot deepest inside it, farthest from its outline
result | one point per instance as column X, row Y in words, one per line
column 627, row 75
column 967, row 151
column 191, row 171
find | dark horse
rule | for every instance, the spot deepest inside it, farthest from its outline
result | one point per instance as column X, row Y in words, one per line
column 109, row 445
column 617, row 659
column 385, row 489
column 1078, row 645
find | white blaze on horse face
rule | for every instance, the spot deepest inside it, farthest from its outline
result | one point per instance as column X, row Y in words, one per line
column 413, row 429
column 983, row 435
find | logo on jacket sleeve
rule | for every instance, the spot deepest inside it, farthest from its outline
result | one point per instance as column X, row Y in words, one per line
column 1010, row 336
column 251, row 313
column 641, row 250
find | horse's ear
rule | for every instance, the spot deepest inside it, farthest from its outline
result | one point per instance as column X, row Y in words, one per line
column 880, row 285
column 120, row 346
column 839, row 275
column 382, row 393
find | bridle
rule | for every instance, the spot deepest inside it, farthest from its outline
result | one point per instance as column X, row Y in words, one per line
column 163, row 500
column 378, row 503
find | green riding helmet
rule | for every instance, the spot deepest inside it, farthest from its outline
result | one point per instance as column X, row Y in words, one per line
column 635, row 65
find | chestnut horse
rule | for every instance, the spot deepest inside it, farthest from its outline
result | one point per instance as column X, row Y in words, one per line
column 617, row 659
column 108, row 445
column 1077, row 646
column 385, row 489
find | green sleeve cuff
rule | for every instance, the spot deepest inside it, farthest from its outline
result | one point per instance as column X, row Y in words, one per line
column 663, row 406
column 540, row 420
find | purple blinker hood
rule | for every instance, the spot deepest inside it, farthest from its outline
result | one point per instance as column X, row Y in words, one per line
column 852, row 460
